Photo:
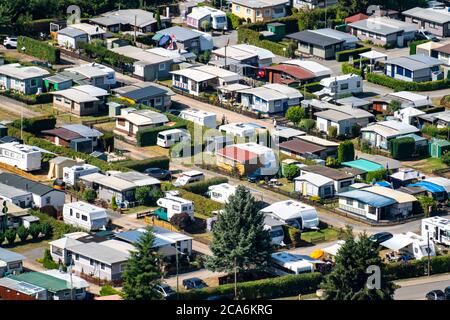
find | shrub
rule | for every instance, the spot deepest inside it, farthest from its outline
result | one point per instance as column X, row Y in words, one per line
column 10, row 235
column 346, row 151
column 413, row 45
column 399, row 85
column 52, row 227
column 103, row 55
column 346, row 54
column 114, row 203
column 29, row 99
column 23, row 233
column 295, row 114
column 332, row 132
column 377, row 175
column 233, row 20
column 38, row 49
column 331, row 162
column 89, row 195
column 108, row 291
column 142, row 195
column 295, row 235
column 141, row 165
column 291, row 171
column 106, row 142
column 445, row 158
column 402, row 148
column 307, row 124
column 35, row 230
column 261, row 289
column 46, row 228
column 48, row 262
column 2, row 238
column 347, row 68
column 203, row 205
column 35, row 125
column 418, row 268
column 181, row 220
column 201, row 187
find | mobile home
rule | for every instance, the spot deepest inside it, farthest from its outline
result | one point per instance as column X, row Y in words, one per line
column 293, row 213
column 170, row 137
column 438, row 229
column 72, row 174
column 288, row 263
column 203, row 118
column 84, row 215
column 25, row 157
column 189, row 177
column 341, row 85
column 172, row 205
column 221, row 192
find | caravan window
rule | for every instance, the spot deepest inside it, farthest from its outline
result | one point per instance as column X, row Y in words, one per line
column 84, row 218
column 276, row 233
column 175, row 207
column 344, row 86
column 71, row 212
column 47, row 200
column 78, row 215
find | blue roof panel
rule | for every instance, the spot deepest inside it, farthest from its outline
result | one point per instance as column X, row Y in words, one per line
column 431, row 187
column 372, row 199
column 383, row 184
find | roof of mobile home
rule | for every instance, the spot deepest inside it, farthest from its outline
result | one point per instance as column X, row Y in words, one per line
column 144, row 117
column 319, row 141
column 15, row 70
column 326, row 82
column 10, row 256
column 315, row 179
column 180, row 33
column 83, row 130
column 62, row 133
column 142, row 90
column 428, row 14
column 387, row 163
column 372, row 199
column 290, row 209
column 293, row 70
column 398, row 196
column 237, row 154
column 328, row 172
column 363, row 164
column 285, row 132
column 100, row 252
column 9, row 191
column 260, row 3
column 333, row 115
column 42, row 280
column 440, row 181
column 194, row 74
column 299, row 146
column 383, row 25
column 22, row 183
column 75, row 95
column 311, row 66
column 137, row 178
column 429, row 186
column 314, row 38
column 218, row 72
column 126, row 16
column 94, row 211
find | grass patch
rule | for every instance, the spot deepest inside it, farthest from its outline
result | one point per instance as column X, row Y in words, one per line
column 327, row 234
column 7, row 115
column 137, row 209
column 287, row 186
column 427, row 165
column 30, row 245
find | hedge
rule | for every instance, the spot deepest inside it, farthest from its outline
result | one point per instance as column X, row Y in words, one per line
column 141, row 165
column 402, row 148
column 59, row 227
column 38, row 49
column 252, row 37
column 414, row 44
column 233, row 20
column 30, row 99
column 104, row 55
column 202, row 205
column 418, row 268
column 106, row 141
column 283, row 286
column 399, row 85
column 201, row 187
column 346, row 54
column 36, row 125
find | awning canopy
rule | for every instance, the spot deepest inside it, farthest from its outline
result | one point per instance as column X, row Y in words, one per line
column 373, row 55
column 397, row 242
column 333, row 250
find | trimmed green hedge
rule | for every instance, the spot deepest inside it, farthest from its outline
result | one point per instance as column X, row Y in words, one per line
column 141, row 165
column 102, row 54
column 201, row 187
column 202, row 205
column 414, row 44
column 403, row 148
column 262, row 289
column 59, row 227
column 252, row 37
column 399, row 85
column 233, row 20
column 38, row 49
column 418, row 268
column 346, row 54
column 28, row 99
column 36, row 125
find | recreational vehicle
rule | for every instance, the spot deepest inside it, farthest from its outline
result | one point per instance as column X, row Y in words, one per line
column 340, row 85
column 85, row 215
column 287, row 263
column 221, row 192
column 410, row 245
column 22, row 156
column 241, row 131
column 172, row 205
column 72, row 174
column 189, row 177
column 202, row 118
column 438, row 229
column 168, row 138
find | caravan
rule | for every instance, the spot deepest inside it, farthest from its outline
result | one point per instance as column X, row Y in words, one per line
column 72, row 174
column 287, row 263
column 437, row 229
column 85, row 216
column 172, row 205
column 202, row 118
column 189, row 177
column 170, row 137
column 22, row 156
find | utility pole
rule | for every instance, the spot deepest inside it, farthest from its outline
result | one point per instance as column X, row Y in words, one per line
column 135, row 28
column 176, row 261
column 235, row 278
column 428, row 251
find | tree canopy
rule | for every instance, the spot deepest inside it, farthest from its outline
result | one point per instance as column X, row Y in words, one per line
column 239, row 236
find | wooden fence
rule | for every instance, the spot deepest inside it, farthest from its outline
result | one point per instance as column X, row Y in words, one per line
column 154, row 221
column 7, row 167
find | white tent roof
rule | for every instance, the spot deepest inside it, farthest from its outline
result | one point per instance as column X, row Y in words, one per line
column 373, row 55
column 332, row 250
column 397, row 242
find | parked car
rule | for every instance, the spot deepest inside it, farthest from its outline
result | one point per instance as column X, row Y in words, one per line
column 447, row 293
column 380, row 237
column 194, row 283
column 10, row 43
column 158, row 173
column 426, row 35
column 435, row 295
column 165, row 290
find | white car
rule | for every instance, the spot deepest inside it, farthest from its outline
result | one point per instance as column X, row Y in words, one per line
column 10, row 43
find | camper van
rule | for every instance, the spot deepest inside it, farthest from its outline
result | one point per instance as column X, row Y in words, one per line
column 84, row 215
column 71, row 175
column 189, row 177
column 202, row 118
column 170, row 137
column 221, row 192
column 241, row 131
column 24, row 157
column 172, row 205
column 438, row 229
column 287, row 263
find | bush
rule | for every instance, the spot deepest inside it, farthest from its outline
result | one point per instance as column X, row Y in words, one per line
column 307, row 124
column 36, row 125
column 35, row 230
column 141, row 165
column 233, row 20
column 446, row 158
column 291, row 171
column 346, row 151
column 106, row 142
column 114, row 203
column 295, row 114
column 52, row 227
column 331, row 162
column 332, row 132
column 46, row 228
column 377, row 175
column 295, row 235
column 89, row 195
column 283, row 286
column 203, row 205
column 103, row 55
column 399, row 85
column 38, row 49
column 181, row 220
column 10, row 235
column 23, row 233
column 418, row 268
column 246, row 35
column 402, row 148
column 347, row 68
column 346, row 54
column 2, row 238
column 201, row 187
column 142, row 195
column 108, row 291
column 414, row 44
column 48, row 262
column 29, row 99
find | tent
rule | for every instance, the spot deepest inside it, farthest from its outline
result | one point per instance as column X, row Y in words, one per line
column 373, row 56
column 397, row 242
column 333, row 250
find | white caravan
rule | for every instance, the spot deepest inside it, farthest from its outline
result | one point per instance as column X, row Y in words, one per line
column 189, row 177
column 172, row 205
column 22, row 156
column 221, row 192
column 287, row 263
column 71, row 175
column 438, row 229
column 202, row 118
column 84, row 215
column 170, row 137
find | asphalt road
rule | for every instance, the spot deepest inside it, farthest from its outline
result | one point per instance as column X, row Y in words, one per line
column 416, row 289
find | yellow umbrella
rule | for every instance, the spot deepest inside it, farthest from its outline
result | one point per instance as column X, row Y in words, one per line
column 317, row 254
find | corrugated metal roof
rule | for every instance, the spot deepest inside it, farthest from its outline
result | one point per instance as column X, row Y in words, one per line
column 372, row 199
column 300, row 147
column 362, row 164
column 25, row 184
column 428, row 14
column 181, row 34
column 333, row 115
column 398, row 196
column 99, row 252
column 42, row 280
column 10, row 256
column 328, row 172
column 62, row 133
column 313, row 38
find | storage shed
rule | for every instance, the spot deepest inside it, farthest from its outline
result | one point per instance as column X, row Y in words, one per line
column 438, row 147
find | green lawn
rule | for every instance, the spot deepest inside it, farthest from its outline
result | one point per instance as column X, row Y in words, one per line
column 327, row 234
column 426, row 165
column 287, row 186
column 29, row 245
column 137, row 209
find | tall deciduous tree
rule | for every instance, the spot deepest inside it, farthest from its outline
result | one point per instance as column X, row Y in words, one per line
column 142, row 272
column 350, row 280
column 239, row 238
column 295, row 114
